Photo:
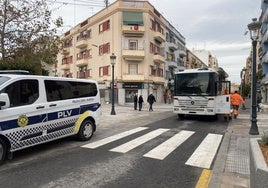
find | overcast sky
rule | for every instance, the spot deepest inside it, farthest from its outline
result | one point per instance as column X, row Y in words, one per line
column 214, row 25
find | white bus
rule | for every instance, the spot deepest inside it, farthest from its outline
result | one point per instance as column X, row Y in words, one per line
column 201, row 92
column 38, row 109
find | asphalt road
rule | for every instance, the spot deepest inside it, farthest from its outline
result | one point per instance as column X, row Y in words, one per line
column 125, row 161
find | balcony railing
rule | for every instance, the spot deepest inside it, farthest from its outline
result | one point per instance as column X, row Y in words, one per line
column 133, row 31
column 159, row 37
column 133, row 78
column 65, row 66
column 160, row 80
column 159, row 58
column 133, row 55
column 81, row 62
column 65, row 51
column 81, row 43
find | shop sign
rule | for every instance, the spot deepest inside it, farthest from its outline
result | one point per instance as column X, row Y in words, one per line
column 133, row 86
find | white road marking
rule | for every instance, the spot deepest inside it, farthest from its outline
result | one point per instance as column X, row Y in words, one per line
column 164, row 149
column 138, row 141
column 206, row 151
column 113, row 138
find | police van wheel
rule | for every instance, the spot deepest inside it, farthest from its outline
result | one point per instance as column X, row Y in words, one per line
column 86, row 130
column 3, row 150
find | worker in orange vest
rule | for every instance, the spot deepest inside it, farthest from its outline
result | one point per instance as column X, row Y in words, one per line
column 236, row 100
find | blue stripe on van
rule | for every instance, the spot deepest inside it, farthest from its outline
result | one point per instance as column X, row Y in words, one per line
column 11, row 124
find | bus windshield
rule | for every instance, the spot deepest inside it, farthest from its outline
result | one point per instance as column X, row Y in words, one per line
column 192, row 84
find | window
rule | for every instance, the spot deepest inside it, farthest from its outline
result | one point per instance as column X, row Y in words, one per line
column 104, row 49
column 23, row 92
column 84, row 54
column 133, row 44
column 67, row 60
column 104, row 71
column 67, row 43
column 156, row 27
column 84, row 35
column 61, row 90
column 104, row 26
column 133, row 69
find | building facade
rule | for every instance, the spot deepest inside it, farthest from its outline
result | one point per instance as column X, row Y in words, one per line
column 264, row 51
column 206, row 57
column 144, row 43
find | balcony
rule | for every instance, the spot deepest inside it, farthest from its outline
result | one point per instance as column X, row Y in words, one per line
column 159, row 80
column 65, row 51
column 82, row 43
column 159, row 37
column 81, row 62
column 65, row 66
column 172, row 46
column 133, row 78
column 133, row 55
column 172, row 64
column 133, row 31
column 158, row 58
column 182, row 53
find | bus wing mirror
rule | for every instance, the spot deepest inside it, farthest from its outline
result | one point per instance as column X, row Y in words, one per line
column 4, row 101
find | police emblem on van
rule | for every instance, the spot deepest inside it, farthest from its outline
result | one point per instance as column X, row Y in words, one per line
column 22, row 120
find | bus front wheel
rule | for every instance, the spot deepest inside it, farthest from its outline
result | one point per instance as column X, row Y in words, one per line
column 181, row 116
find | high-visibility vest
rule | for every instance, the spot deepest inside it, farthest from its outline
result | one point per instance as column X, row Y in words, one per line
column 236, row 99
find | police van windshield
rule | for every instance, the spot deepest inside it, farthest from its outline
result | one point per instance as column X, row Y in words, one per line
column 3, row 79
column 192, row 84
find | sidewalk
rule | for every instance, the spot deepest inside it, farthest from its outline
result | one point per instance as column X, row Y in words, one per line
column 231, row 168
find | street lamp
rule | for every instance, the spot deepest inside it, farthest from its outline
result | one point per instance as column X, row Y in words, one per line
column 254, row 28
column 112, row 58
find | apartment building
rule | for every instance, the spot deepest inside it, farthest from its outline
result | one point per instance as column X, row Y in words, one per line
column 207, row 58
column 192, row 61
column 264, row 50
column 175, row 55
column 137, row 34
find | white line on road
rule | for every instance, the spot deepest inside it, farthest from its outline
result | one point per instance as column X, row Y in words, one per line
column 204, row 154
column 138, row 141
column 164, row 149
column 113, row 138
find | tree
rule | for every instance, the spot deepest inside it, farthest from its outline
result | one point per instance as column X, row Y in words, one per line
column 27, row 33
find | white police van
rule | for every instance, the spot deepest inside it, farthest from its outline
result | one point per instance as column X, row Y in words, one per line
column 38, row 109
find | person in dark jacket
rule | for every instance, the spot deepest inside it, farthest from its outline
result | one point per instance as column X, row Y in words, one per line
column 140, row 101
column 135, row 101
column 151, row 100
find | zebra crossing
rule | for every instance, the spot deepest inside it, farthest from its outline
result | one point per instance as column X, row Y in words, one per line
column 202, row 156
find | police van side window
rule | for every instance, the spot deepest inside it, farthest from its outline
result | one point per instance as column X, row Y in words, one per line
column 23, row 92
column 62, row 90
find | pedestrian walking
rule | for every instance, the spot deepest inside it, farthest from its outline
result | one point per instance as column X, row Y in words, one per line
column 151, row 100
column 140, row 101
column 259, row 100
column 135, row 101
column 236, row 100
column 165, row 97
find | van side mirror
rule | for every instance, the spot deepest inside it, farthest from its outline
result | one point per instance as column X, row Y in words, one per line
column 4, row 101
